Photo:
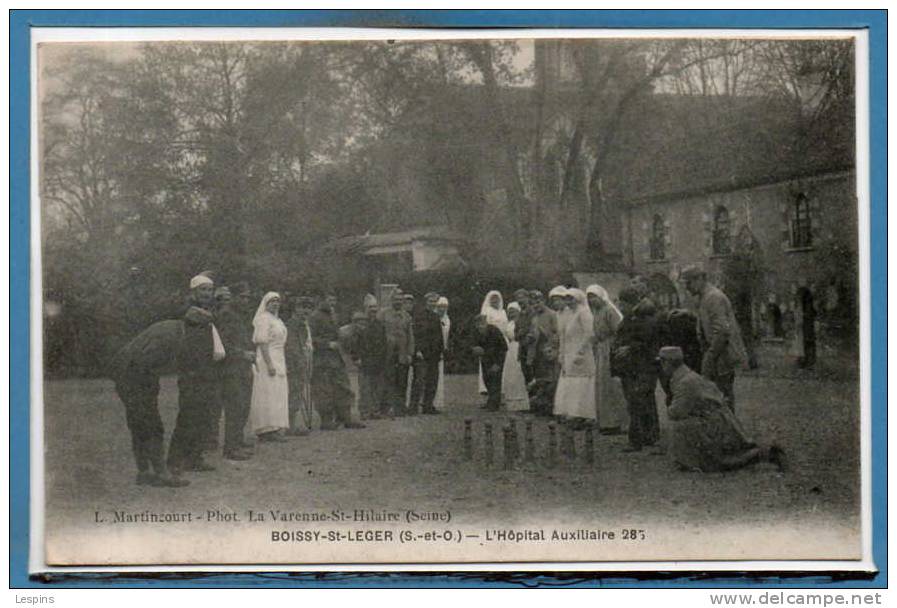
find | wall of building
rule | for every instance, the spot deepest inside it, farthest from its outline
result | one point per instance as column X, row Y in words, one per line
column 766, row 212
column 428, row 255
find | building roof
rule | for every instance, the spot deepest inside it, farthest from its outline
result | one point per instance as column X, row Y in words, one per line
column 666, row 144
column 358, row 245
column 674, row 145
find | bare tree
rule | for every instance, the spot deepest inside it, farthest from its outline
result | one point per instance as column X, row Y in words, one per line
column 612, row 76
column 490, row 59
column 79, row 184
column 815, row 76
column 602, row 81
column 720, row 67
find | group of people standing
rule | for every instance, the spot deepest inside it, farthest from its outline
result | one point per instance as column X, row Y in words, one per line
column 579, row 356
column 273, row 373
column 551, row 357
column 590, row 361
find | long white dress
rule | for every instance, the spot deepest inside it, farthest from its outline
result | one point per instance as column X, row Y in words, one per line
column 269, row 407
column 609, row 399
column 439, row 401
column 513, row 384
column 575, row 396
column 352, row 372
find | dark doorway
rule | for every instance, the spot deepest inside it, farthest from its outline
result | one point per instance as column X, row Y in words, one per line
column 808, row 326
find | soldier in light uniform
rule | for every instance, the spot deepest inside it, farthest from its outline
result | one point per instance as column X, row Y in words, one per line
column 718, row 331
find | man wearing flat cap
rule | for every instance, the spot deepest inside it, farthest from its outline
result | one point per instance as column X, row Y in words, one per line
column 408, row 303
column 705, row 434
column 718, row 332
column 199, row 375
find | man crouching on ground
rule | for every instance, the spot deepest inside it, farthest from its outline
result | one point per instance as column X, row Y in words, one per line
column 705, row 435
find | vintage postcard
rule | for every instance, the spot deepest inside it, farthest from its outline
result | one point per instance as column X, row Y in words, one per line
column 450, row 298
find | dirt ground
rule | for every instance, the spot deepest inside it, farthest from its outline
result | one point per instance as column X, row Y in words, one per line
column 420, row 461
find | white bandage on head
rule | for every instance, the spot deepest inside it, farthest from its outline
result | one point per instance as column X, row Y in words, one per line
column 560, row 290
column 200, row 279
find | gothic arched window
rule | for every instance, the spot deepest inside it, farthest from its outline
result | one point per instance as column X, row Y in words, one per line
column 801, row 227
column 722, row 242
column 658, row 238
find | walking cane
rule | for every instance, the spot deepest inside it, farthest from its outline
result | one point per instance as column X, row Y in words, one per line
column 307, row 405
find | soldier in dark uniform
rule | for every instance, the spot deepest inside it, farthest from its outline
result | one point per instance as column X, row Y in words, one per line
column 199, row 375
column 373, row 400
column 682, row 331
column 232, row 322
column 329, row 383
column 679, row 327
column 416, row 368
column 490, row 346
column 633, row 361
column 429, row 343
column 521, row 331
column 135, row 371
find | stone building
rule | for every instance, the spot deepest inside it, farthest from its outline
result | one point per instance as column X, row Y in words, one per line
column 768, row 207
column 789, row 232
column 760, row 191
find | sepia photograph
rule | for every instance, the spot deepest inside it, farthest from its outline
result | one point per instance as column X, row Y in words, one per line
column 468, row 299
